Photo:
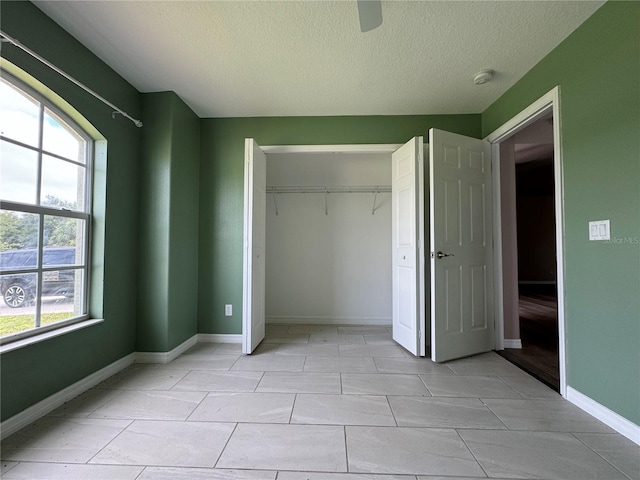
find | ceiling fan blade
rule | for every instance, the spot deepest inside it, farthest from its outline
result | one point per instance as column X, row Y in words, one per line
column 370, row 13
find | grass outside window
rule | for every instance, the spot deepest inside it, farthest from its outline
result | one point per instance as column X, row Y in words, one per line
column 10, row 324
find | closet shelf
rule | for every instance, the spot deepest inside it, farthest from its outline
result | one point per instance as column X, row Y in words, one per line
column 334, row 189
column 375, row 189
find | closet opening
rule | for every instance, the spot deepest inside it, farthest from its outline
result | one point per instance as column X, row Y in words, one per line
column 328, row 239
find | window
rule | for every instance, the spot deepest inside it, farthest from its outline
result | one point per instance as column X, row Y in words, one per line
column 45, row 193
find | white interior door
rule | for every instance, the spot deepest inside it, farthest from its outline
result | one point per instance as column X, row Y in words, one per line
column 462, row 320
column 407, row 187
column 253, row 289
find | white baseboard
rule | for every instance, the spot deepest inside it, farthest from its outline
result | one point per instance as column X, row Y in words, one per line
column 331, row 320
column 512, row 343
column 34, row 412
column 166, row 357
column 40, row 409
column 219, row 338
column 606, row 416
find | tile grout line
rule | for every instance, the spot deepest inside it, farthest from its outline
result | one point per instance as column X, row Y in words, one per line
column 142, row 472
column 206, row 395
column 346, row 449
column 255, row 389
column 509, row 386
column 106, row 445
column 425, row 385
column 393, row 414
column 573, row 434
column 225, row 444
column 495, row 414
column 293, row 406
column 471, row 452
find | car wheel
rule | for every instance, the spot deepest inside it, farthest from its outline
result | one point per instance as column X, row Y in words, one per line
column 15, row 296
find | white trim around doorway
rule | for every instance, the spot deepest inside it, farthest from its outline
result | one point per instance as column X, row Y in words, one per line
column 547, row 103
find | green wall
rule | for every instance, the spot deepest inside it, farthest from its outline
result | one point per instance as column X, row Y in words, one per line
column 30, row 374
column 222, row 184
column 598, row 71
column 183, row 238
column 168, row 281
column 155, row 199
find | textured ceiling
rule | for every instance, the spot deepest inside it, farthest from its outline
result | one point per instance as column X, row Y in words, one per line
column 280, row 58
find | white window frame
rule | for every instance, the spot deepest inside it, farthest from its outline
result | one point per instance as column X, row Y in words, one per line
column 42, row 211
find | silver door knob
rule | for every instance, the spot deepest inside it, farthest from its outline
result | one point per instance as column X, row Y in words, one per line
column 442, row 255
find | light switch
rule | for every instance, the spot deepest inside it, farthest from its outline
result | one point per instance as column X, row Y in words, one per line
column 228, row 310
column 599, row 230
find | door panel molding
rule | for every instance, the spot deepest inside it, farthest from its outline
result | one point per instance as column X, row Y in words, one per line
column 461, row 247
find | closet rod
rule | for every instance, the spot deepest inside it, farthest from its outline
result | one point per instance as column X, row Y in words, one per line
column 345, row 189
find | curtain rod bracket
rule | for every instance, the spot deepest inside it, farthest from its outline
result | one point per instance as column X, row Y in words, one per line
column 137, row 123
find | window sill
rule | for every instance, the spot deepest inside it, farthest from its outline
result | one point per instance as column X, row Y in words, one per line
column 25, row 342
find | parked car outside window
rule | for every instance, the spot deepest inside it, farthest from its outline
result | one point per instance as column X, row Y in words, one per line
column 20, row 289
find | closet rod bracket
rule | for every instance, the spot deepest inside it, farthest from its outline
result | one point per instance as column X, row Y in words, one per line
column 326, row 208
column 375, row 197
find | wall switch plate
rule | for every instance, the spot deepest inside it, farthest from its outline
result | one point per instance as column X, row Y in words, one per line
column 228, row 310
column 599, row 230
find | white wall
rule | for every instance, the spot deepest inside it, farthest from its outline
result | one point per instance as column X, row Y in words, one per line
column 333, row 268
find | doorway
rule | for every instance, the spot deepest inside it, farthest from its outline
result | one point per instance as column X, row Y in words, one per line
column 529, row 293
column 534, row 329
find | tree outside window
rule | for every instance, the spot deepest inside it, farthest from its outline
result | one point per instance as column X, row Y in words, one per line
column 45, row 173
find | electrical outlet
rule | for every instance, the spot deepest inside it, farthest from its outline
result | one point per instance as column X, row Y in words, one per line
column 228, row 310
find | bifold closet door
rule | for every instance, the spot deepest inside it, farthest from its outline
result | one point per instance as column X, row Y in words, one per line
column 407, row 227
column 253, row 261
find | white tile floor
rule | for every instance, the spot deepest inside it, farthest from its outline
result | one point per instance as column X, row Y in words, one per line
column 319, row 403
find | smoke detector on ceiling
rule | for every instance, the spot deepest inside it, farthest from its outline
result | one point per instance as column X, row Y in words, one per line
column 483, row 76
